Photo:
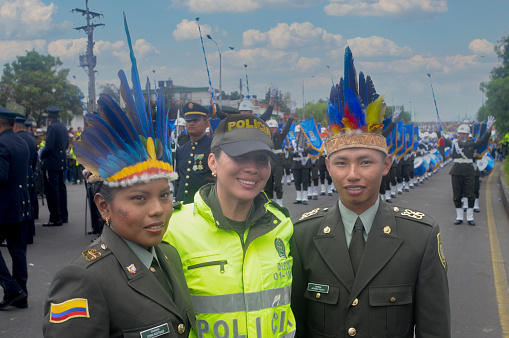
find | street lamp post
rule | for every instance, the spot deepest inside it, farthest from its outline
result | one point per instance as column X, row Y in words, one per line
column 220, row 68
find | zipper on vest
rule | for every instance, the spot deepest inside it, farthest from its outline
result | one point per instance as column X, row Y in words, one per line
column 202, row 265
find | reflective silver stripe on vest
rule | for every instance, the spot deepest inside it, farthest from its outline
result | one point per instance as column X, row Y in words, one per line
column 240, row 302
column 289, row 334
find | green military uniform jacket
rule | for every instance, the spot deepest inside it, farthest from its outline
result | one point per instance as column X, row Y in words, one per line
column 110, row 293
column 401, row 282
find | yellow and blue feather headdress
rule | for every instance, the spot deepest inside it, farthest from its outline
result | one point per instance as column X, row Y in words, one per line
column 355, row 112
column 127, row 147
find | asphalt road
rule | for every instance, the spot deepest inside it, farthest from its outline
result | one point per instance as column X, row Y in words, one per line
column 475, row 255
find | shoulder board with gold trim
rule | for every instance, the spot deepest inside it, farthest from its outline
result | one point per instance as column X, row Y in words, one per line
column 413, row 215
column 313, row 214
column 95, row 252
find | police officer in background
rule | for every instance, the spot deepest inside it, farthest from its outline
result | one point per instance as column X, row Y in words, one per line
column 192, row 157
column 54, row 164
column 20, row 130
column 463, row 172
column 14, row 211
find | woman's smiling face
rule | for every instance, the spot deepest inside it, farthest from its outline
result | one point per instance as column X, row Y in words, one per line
column 139, row 213
column 240, row 178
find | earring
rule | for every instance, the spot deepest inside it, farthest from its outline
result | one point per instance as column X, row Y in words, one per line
column 214, row 175
column 107, row 222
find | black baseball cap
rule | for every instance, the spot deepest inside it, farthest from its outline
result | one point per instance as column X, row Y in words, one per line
column 239, row 134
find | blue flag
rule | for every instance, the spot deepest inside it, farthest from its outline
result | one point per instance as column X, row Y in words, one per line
column 313, row 137
column 416, row 139
column 409, row 137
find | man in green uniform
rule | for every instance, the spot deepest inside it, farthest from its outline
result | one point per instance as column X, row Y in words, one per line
column 364, row 268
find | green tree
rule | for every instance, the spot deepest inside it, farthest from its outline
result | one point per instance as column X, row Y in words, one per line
column 496, row 89
column 317, row 110
column 36, row 82
column 282, row 100
column 111, row 90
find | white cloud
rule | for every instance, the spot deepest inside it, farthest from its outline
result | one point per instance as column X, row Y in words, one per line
column 373, row 46
column 379, row 8
column 297, row 34
column 142, row 48
column 483, row 47
column 28, row 18
column 188, row 30
column 236, row 6
column 423, row 65
column 305, row 64
column 71, row 48
column 10, row 49
column 67, row 48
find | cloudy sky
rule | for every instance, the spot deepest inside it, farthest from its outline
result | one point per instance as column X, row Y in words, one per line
column 296, row 44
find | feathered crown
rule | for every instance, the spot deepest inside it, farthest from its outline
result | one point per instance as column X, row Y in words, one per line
column 355, row 112
column 125, row 147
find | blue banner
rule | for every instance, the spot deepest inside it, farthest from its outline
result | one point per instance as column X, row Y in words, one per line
column 416, row 139
column 474, row 130
column 409, row 137
column 400, row 138
column 313, row 137
column 388, row 138
column 213, row 124
column 484, row 148
column 291, row 134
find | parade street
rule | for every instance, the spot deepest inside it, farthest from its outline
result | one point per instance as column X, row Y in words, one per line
column 475, row 254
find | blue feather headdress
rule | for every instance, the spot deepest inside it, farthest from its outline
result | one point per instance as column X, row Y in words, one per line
column 127, row 147
column 355, row 110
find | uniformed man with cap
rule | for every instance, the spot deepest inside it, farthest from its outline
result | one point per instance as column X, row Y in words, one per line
column 192, row 165
column 20, row 130
column 14, row 210
column 463, row 172
column 361, row 267
column 54, row 164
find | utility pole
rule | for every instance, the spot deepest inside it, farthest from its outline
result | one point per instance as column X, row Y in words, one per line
column 89, row 60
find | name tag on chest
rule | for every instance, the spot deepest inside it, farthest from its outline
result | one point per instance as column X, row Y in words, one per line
column 318, row 288
column 155, row 331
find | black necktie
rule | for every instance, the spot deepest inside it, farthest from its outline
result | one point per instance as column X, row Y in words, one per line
column 357, row 245
column 159, row 274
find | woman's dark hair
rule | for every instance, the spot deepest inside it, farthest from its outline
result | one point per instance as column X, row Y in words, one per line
column 216, row 151
column 107, row 192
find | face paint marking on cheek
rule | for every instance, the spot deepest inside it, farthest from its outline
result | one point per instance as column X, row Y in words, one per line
column 122, row 212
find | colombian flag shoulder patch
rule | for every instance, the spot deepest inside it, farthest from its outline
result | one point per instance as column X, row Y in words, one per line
column 72, row 308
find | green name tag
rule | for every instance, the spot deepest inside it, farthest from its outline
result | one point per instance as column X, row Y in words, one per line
column 155, row 331
column 318, row 288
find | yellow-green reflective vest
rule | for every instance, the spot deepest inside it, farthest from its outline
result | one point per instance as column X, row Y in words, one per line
column 74, row 156
column 235, row 295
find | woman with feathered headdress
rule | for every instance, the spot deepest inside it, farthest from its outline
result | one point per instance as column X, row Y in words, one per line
column 126, row 283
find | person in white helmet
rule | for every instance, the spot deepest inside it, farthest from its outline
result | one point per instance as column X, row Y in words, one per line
column 462, row 172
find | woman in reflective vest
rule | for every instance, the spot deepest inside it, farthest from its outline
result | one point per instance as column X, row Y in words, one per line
column 234, row 241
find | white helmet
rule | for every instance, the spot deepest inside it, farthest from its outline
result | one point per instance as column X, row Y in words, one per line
column 272, row 123
column 297, row 128
column 433, row 135
column 181, row 121
column 464, row 129
column 246, row 105
column 426, row 134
